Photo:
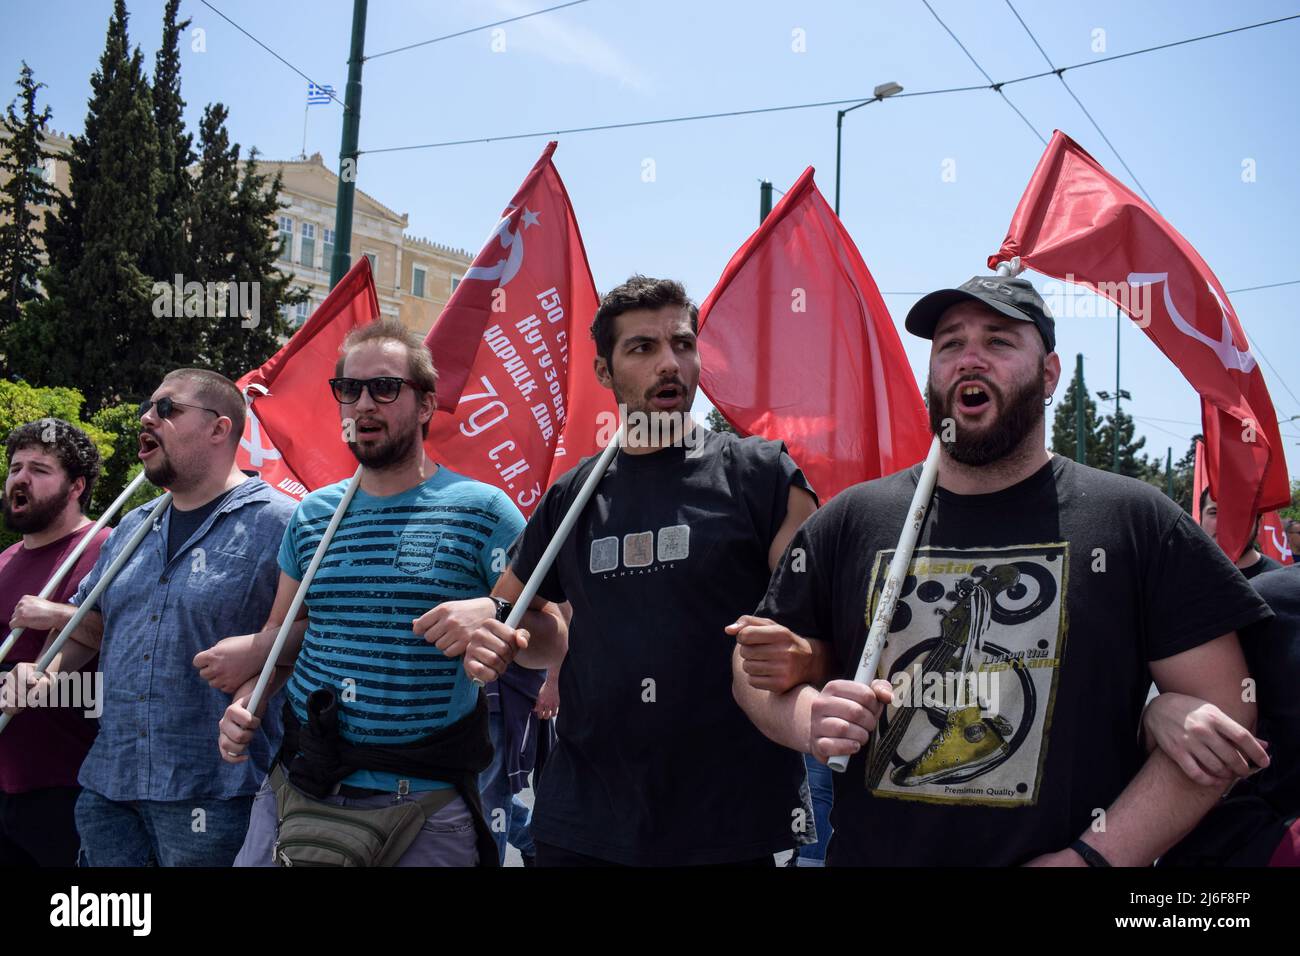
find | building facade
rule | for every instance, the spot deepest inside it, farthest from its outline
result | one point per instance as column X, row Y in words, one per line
column 413, row 277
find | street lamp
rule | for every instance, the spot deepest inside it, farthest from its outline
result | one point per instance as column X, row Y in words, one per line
column 879, row 93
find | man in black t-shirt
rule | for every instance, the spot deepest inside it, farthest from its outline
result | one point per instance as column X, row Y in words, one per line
column 1042, row 598
column 1244, row 829
column 1252, row 562
column 655, row 763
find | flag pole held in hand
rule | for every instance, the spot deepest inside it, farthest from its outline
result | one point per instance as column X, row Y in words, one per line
column 562, row 533
column 92, row 598
column 884, row 615
column 269, row 667
column 71, row 560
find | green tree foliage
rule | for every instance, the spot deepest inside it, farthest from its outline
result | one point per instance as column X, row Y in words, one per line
column 1131, row 462
column 137, row 215
column 1063, row 427
column 717, row 423
column 232, row 241
column 96, row 327
column 169, row 255
column 25, row 190
column 1099, row 438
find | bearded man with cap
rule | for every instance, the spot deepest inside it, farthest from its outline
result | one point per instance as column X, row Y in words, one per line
column 1042, row 598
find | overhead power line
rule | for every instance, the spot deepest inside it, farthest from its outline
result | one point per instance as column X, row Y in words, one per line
column 997, row 87
column 803, row 106
column 1095, row 125
column 319, row 86
column 659, row 122
column 486, row 26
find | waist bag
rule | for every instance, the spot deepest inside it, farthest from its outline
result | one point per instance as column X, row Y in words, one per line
column 314, row 833
column 314, row 758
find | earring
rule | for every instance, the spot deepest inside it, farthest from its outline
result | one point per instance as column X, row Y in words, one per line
column 1049, row 400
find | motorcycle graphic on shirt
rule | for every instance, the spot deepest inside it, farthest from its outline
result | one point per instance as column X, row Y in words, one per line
column 973, row 655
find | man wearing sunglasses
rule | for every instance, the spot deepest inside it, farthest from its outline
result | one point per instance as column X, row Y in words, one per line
column 376, row 715
column 153, row 790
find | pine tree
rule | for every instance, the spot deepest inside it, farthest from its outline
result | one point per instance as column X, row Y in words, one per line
column 1131, row 462
column 96, row 329
column 168, row 256
column 25, row 190
column 232, row 241
column 1064, row 442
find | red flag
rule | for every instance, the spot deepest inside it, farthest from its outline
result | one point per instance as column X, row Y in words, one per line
column 1272, row 539
column 1077, row 222
column 257, row 454
column 505, row 345
column 796, row 344
column 296, row 411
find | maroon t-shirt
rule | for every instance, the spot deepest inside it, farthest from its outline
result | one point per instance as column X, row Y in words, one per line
column 43, row 746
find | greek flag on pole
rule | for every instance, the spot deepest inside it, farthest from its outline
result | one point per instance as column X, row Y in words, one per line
column 317, row 95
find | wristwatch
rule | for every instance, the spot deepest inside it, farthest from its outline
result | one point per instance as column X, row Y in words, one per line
column 504, row 608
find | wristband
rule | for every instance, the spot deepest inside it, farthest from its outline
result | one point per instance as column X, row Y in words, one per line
column 1090, row 856
column 504, row 608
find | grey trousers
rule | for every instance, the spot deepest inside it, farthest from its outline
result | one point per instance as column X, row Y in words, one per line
column 446, row 839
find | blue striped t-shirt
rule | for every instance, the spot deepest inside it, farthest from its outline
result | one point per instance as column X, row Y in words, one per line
column 391, row 559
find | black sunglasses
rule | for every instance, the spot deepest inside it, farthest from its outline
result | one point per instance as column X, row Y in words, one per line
column 165, row 406
column 383, row 390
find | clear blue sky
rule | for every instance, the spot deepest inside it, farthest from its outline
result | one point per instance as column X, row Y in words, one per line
column 1184, row 119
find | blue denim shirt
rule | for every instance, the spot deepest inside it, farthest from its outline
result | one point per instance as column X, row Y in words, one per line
column 158, row 731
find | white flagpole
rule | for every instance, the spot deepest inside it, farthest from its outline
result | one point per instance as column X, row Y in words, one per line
column 71, row 560
column 562, row 533
column 269, row 667
column 884, row 616
column 92, row 598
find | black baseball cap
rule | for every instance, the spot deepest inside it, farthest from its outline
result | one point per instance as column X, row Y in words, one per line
column 1014, row 298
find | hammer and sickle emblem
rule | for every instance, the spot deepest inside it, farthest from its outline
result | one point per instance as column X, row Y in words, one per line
column 505, row 269
column 1232, row 357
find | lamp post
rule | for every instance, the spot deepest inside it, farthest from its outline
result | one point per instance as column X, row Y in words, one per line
column 879, row 93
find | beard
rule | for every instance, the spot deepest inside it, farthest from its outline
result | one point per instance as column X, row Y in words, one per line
column 1020, row 412
column 38, row 515
column 162, row 472
column 644, row 419
column 393, row 449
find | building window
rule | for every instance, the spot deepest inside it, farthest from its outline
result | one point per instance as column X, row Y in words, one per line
column 286, row 237
column 374, row 263
column 307, row 248
column 417, row 282
column 455, row 281
column 327, row 248
column 303, row 309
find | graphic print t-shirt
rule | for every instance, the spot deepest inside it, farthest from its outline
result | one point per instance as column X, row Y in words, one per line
column 391, row 559
column 656, row 764
column 1019, row 653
